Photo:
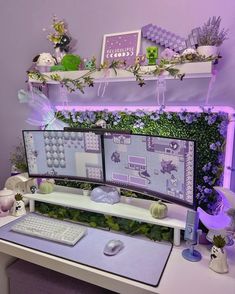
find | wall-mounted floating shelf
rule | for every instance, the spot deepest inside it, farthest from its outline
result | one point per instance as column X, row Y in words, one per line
column 190, row 69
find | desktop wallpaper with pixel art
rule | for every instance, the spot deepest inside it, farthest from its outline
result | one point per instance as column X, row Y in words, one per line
column 158, row 164
column 64, row 154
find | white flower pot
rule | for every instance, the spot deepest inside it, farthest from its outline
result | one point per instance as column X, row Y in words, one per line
column 86, row 192
column 218, row 262
column 207, row 50
column 18, row 208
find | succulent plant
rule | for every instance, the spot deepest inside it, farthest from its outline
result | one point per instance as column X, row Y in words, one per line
column 219, row 241
column 18, row 197
column 86, row 186
column 210, row 33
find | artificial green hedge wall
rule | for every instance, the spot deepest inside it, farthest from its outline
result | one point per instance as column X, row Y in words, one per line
column 207, row 128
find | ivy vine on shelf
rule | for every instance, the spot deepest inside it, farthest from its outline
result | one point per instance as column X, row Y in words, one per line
column 87, row 79
column 96, row 220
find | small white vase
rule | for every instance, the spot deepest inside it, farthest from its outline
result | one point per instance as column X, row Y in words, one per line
column 207, row 51
column 218, row 262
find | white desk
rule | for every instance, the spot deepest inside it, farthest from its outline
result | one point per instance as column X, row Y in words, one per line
column 180, row 276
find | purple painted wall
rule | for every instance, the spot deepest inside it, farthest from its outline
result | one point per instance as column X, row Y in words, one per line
column 22, row 38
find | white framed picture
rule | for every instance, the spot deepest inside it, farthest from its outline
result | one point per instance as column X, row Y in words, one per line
column 121, row 46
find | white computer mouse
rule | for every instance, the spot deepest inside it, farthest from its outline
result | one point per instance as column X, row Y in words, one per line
column 113, row 247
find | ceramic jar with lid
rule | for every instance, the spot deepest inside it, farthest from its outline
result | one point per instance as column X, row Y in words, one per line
column 7, row 198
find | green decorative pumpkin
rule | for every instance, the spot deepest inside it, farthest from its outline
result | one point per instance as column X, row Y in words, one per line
column 158, row 209
column 46, row 187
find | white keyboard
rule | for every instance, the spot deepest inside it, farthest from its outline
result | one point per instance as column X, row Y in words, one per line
column 50, row 229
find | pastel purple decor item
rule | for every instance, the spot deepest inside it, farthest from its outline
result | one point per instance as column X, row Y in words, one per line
column 105, row 194
column 167, row 54
column 168, row 39
column 123, row 47
column 163, row 37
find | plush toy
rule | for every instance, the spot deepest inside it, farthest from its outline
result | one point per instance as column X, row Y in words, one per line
column 62, row 47
column 101, row 123
column 152, row 55
column 44, row 62
column 189, row 54
column 105, row 194
column 69, row 62
column 44, row 59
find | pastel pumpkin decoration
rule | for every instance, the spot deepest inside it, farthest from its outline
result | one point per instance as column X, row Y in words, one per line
column 158, row 209
column 46, row 187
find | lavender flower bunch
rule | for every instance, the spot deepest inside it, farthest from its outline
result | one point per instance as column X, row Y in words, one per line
column 210, row 33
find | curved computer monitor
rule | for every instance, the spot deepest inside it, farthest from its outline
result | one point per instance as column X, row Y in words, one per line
column 155, row 166
column 160, row 167
column 64, row 155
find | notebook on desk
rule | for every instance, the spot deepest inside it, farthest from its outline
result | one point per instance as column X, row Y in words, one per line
column 141, row 260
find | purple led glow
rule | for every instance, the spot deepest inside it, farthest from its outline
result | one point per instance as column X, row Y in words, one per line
column 214, row 109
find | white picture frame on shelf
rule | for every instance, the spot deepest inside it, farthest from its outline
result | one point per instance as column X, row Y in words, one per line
column 123, row 46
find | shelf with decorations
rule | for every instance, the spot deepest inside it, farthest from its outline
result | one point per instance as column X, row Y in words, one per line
column 189, row 70
column 121, row 60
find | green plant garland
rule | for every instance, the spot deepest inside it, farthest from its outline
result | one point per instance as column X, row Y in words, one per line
column 87, row 80
column 96, row 220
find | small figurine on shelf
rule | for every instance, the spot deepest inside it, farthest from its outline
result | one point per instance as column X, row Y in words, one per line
column 70, row 62
column 140, row 59
column 189, row 54
column 44, row 62
column 60, row 39
column 90, row 63
column 18, row 208
column 218, row 262
column 152, row 55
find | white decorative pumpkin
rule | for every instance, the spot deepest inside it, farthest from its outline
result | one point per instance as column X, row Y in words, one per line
column 158, row 209
column 46, row 186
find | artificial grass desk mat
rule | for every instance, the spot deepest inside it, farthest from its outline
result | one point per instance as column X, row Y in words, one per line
column 140, row 260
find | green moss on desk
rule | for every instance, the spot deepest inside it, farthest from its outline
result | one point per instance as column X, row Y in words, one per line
column 97, row 220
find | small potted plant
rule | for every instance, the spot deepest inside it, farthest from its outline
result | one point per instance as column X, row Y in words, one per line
column 18, row 159
column 18, row 208
column 86, row 187
column 218, row 261
column 210, row 37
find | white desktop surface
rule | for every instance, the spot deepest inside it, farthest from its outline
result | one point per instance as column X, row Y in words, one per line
column 180, row 276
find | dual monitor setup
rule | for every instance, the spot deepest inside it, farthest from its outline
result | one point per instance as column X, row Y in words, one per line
column 159, row 167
